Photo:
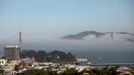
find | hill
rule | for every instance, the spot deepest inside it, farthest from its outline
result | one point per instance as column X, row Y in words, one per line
column 53, row 56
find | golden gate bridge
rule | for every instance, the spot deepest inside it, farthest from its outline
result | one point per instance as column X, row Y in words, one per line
column 19, row 39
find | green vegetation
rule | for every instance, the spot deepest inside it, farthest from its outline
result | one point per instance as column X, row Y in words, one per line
column 104, row 71
column 37, row 72
column 1, row 71
column 54, row 56
column 132, row 71
column 72, row 71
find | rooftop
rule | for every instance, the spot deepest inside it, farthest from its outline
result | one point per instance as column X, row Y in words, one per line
column 11, row 46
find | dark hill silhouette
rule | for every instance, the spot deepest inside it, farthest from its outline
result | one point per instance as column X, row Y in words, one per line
column 81, row 35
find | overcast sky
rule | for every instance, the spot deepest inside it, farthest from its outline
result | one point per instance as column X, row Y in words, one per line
column 54, row 18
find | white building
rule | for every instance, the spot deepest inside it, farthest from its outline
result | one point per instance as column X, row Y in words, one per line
column 3, row 61
column 81, row 60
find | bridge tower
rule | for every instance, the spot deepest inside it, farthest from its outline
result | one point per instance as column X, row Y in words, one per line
column 20, row 38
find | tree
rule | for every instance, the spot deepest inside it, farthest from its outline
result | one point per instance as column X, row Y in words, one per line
column 1, row 71
column 70, row 71
column 16, row 68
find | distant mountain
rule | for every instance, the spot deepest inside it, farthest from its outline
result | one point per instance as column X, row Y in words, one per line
column 82, row 35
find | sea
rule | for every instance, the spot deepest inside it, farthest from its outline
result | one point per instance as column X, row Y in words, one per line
column 98, row 57
column 101, row 56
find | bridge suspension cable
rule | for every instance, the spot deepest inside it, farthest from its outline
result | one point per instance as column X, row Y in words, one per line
column 32, row 36
column 8, row 38
column 20, row 37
